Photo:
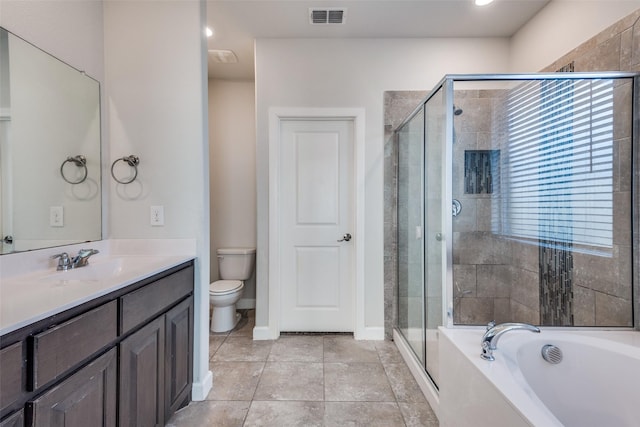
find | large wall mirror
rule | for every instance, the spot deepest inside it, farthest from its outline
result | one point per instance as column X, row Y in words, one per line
column 50, row 191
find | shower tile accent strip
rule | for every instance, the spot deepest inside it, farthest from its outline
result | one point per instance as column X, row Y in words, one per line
column 556, row 283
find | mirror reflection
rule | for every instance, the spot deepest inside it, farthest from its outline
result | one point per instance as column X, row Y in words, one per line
column 49, row 150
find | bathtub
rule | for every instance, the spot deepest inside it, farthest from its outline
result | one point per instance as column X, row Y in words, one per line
column 597, row 383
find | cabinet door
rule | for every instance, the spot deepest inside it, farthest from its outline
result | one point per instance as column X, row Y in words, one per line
column 142, row 376
column 87, row 398
column 15, row 420
column 12, row 374
column 179, row 354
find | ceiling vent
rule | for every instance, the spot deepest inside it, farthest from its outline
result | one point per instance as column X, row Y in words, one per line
column 332, row 15
column 223, row 56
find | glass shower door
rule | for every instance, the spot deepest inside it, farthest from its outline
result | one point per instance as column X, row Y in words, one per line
column 411, row 291
column 434, row 234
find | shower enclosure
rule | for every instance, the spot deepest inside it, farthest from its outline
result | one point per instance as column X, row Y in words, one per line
column 514, row 203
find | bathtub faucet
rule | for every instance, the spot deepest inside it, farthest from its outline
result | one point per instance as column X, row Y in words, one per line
column 494, row 332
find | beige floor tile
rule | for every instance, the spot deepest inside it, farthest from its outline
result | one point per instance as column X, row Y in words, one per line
column 297, row 348
column 304, row 380
column 346, row 349
column 356, row 382
column 291, row 381
column 418, row 415
column 242, row 349
column 285, row 414
column 244, row 328
column 388, row 352
column 215, row 341
column 403, row 384
column 362, row 414
column 234, row 380
column 208, row 413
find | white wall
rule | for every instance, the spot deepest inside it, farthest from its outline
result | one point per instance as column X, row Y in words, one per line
column 353, row 73
column 71, row 30
column 232, row 171
column 155, row 85
column 560, row 27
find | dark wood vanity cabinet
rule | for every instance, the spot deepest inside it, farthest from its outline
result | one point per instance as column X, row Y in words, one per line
column 86, row 398
column 178, row 356
column 142, row 359
column 123, row 359
column 13, row 365
column 14, row 420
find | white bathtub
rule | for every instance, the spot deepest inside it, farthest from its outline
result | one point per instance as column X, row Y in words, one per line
column 596, row 384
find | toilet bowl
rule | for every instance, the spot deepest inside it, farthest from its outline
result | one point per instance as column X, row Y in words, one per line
column 235, row 266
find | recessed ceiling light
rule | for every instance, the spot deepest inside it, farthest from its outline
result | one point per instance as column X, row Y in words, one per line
column 223, row 56
column 209, row 32
column 483, row 2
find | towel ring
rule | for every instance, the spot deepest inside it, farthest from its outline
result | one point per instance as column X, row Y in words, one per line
column 132, row 161
column 81, row 162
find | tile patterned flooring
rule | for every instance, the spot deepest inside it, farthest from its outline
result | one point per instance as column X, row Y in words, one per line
column 306, row 380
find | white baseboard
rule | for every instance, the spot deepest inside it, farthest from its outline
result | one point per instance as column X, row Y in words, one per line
column 261, row 333
column 200, row 390
column 246, row 303
column 371, row 333
column 425, row 384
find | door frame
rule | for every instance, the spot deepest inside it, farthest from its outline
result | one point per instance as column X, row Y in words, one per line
column 276, row 116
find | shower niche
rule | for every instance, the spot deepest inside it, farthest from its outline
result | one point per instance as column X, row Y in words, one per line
column 481, row 171
column 541, row 166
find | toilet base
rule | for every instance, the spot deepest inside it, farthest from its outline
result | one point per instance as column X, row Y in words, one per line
column 224, row 319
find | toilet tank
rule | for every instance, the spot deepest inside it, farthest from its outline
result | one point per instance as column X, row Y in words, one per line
column 236, row 263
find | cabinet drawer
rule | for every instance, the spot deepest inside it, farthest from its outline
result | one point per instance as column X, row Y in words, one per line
column 12, row 370
column 145, row 303
column 64, row 346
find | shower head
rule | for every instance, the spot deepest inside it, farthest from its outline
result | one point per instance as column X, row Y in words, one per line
column 457, row 111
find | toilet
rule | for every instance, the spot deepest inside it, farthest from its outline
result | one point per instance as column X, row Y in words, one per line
column 235, row 265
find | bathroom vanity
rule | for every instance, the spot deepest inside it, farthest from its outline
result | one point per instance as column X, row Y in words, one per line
column 123, row 356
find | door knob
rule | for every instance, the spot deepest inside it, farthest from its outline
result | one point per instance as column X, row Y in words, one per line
column 345, row 238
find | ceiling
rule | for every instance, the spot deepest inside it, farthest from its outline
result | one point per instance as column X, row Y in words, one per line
column 237, row 23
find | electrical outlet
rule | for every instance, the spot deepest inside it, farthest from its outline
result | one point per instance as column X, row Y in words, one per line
column 56, row 216
column 157, row 215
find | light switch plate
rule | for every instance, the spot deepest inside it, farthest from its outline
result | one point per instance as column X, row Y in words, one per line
column 56, row 216
column 157, row 216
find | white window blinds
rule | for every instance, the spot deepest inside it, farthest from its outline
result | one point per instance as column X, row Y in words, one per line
column 558, row 167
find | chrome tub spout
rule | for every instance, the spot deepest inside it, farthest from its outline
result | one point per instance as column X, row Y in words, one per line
column 494, row 332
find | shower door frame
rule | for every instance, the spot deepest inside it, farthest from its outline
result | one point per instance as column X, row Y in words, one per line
column 447, row 85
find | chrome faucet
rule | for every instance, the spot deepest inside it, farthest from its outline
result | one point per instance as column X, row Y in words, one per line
column 494, row 332
column 64, row 262
column 82, row 259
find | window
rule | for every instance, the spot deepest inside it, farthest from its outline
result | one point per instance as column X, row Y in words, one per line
column 558, row 167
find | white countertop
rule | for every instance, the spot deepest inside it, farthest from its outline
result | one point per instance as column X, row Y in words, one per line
column 42, row 292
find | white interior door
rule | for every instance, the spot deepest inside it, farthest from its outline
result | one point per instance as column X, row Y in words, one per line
column 317, row 267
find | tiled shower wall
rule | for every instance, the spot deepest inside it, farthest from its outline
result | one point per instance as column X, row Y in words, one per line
column 600, row 290
column 494, row 278
column 506, row 274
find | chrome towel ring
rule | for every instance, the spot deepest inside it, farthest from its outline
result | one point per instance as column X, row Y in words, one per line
column 132, row 161
column 81, row 162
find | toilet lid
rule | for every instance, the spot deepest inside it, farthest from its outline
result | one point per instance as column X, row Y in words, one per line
column 225, row 286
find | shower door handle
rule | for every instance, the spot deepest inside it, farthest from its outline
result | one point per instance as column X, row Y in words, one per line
column 345, row 238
